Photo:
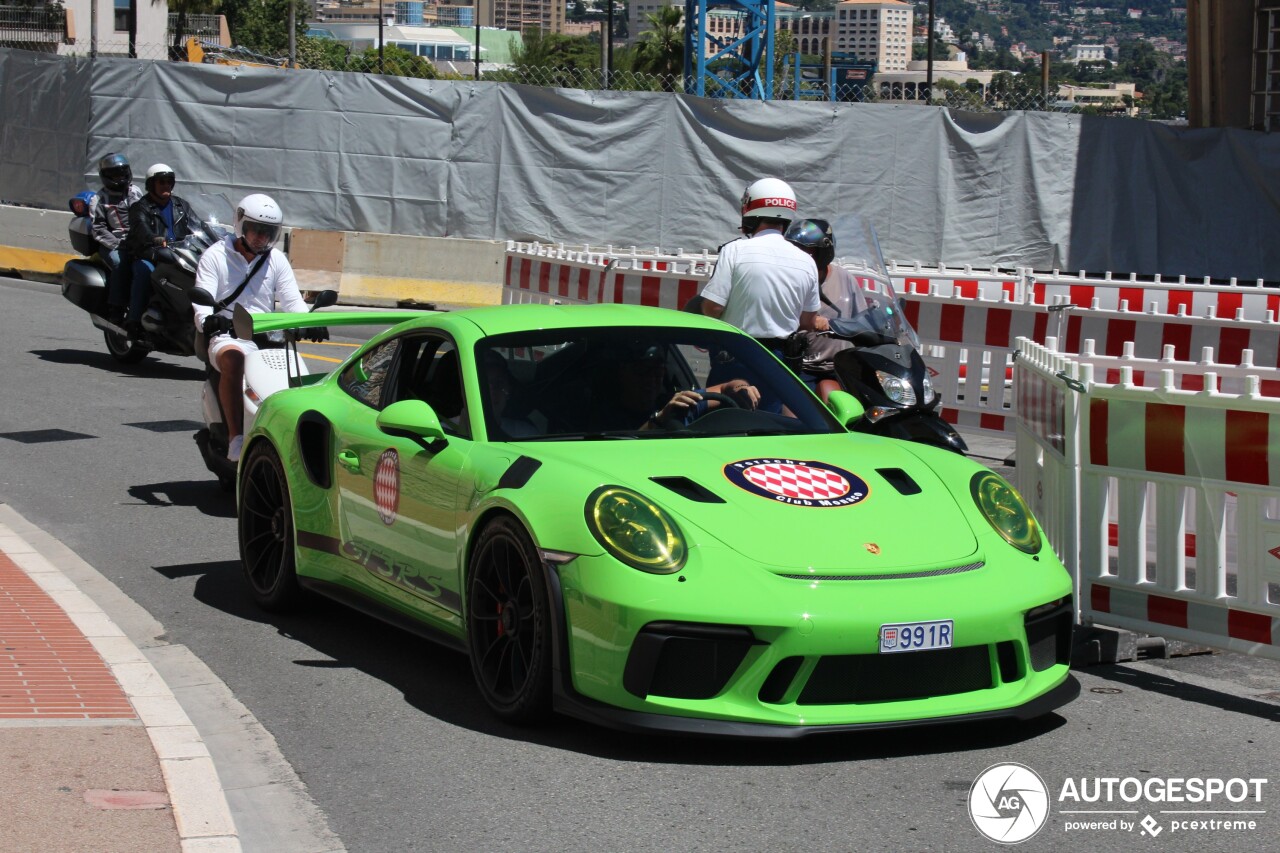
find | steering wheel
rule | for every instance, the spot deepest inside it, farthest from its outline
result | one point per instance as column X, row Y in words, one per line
column 671, row 422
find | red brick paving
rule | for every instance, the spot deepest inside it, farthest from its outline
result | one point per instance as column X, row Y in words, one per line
column 48, row 670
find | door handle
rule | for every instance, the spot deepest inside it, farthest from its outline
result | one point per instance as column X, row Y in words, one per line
column 349, row 460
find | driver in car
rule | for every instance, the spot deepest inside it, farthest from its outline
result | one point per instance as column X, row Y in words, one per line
column 636, row 396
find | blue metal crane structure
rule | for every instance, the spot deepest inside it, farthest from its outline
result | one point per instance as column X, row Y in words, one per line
column 733, row 64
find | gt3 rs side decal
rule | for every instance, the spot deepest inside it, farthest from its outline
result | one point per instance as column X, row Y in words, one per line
column 380, row 566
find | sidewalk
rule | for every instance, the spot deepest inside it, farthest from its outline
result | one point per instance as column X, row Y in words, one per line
column 97, row 753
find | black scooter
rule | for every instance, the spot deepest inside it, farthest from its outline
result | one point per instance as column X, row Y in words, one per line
column 166, row 323
column 880, row 363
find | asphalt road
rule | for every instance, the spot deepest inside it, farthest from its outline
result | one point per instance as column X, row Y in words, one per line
column 397, row 750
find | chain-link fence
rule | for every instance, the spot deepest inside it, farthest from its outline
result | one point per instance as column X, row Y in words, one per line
column 195, row 38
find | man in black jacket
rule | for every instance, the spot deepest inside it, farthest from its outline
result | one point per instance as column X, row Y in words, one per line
column 156, row 221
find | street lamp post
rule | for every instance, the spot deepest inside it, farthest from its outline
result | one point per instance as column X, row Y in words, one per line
column 928, row 69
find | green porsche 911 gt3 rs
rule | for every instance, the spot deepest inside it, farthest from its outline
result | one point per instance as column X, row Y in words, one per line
column 641, row 518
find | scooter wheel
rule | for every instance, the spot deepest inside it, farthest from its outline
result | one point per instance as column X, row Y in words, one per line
column 123, row 349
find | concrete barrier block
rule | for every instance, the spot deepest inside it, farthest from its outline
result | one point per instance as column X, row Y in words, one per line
column 34, row 241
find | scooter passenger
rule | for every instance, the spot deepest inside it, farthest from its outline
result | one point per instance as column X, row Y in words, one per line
column 156, row 221
column 840, row 294
column 245, row 269
column 109, row 213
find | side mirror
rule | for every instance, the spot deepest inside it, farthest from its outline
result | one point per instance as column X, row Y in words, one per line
column 200, row 296
column 411, row 419
column 324, row 299
column 845, row 407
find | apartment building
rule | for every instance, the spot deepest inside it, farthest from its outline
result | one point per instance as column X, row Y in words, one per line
column 875, row 29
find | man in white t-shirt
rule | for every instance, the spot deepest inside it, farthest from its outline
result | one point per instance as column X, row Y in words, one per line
column 762, row 284
column 246, row 262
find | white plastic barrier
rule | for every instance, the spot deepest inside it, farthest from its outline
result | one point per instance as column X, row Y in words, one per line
column 968, row 319
column 1163, row 502
column 1237, row 300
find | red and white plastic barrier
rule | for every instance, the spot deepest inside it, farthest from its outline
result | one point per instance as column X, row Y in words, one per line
column 1163, row 502
column 967, row 319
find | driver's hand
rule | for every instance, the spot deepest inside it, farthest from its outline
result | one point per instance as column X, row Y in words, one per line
column 679, row 405
column 747, row 394
column 821, row 324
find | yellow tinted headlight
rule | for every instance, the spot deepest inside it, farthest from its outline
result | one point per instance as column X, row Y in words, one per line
column 635, row 530
column 1006, row 511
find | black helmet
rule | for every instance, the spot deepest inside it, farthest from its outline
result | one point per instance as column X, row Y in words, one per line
column 814, row 237
column 115, row 172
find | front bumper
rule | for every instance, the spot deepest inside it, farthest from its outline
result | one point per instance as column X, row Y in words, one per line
column 779, row 657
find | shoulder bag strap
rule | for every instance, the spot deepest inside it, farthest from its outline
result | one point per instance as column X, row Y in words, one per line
column 223, row 303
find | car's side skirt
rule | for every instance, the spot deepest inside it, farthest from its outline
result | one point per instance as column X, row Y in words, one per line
column 378, row 610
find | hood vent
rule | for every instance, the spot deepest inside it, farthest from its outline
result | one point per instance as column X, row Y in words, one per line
column 900, row 480
column 686, row 488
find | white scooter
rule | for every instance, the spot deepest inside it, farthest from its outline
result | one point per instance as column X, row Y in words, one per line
column 276, row 365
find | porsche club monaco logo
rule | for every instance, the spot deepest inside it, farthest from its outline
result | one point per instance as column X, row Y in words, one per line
column 814, row 484
column 386, row 486
column 872, row 548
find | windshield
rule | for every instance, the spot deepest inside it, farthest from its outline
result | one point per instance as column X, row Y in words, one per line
column 858, row 287
column 214, row 211
column 614, row 382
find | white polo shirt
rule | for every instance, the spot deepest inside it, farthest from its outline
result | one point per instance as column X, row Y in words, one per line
column 764, row 284
column 222, row 268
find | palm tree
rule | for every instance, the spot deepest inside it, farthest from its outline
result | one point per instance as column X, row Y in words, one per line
column 661, row 47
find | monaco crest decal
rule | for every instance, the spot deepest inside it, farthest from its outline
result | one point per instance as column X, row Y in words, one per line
column 386, row 486
column 814, row 484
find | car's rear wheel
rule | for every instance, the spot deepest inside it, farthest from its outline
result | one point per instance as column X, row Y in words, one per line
column 266, row 530
column 509, row 623
column 124, row 349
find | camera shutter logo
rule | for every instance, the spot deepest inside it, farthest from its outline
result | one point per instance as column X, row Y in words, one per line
column 1009, row 803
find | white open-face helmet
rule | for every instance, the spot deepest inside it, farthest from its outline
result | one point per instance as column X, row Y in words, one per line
column 769, row 198
column 260, row 214
column 158, row 172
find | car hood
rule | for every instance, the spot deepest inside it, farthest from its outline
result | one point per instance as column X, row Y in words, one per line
column 822, row 505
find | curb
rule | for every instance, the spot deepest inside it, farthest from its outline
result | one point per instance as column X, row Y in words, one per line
column 196, row 795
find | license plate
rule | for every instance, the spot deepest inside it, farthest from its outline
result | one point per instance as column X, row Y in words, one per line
column 915, row 636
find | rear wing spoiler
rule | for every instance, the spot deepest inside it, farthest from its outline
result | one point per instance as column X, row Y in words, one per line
column 247, row 324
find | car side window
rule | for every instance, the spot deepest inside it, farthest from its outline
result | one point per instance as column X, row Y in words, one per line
column 430, row 371
column 366, row 378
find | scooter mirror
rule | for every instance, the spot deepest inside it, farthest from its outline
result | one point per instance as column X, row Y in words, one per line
column 845, row 407
column 324, row 299
column 200, row 296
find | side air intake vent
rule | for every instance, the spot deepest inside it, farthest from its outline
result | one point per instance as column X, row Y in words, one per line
column 686, row 488
column 900, row 480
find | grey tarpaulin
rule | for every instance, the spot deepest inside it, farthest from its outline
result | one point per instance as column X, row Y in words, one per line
column 502, row 161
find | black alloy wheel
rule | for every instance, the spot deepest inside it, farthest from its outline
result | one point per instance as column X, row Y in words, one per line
column 266, row 530
column 124, row 349
column 509, row 623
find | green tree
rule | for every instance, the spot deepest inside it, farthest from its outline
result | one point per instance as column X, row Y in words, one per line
column 660, row 49
column 263, row 25
column 551, row 59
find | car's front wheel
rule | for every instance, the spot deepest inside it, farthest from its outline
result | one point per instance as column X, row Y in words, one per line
column 509, row 623
column 266, row 530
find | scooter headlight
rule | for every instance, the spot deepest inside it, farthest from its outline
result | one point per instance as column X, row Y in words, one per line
column 635, row 530
column 896, row 388
column 1005, row 511
column 929, row 393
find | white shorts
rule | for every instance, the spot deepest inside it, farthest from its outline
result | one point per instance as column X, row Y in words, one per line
column 221, row 343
